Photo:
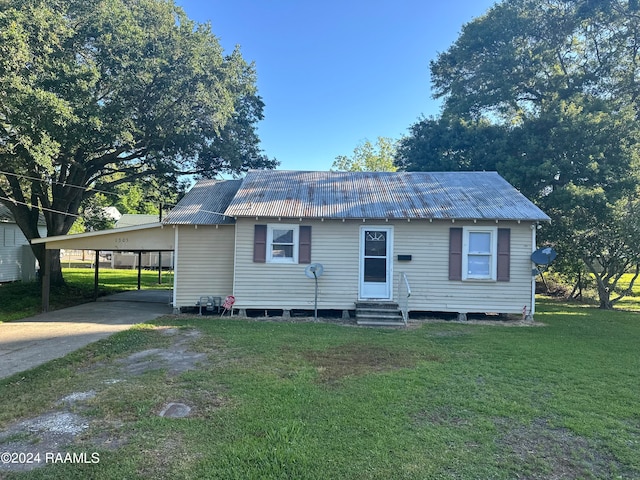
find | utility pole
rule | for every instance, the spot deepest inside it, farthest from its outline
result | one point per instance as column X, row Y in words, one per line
column 160, row 254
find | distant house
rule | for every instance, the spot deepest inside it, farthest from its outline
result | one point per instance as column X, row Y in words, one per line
column 96, row 218
column 388, row 242
column 131, row 219
column 17, row 261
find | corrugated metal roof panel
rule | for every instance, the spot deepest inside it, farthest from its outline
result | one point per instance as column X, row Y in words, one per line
column 205, row 204
column 378, row 195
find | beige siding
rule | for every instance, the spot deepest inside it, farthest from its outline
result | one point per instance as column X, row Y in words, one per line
column 267, row 285
column 335, row 244
column 428, row 271
column 204, row 263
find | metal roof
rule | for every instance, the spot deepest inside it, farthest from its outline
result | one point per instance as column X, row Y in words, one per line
column 205, row 204
column 379, row 195
column 131, row 219
column 7, row 217
column 5, row 214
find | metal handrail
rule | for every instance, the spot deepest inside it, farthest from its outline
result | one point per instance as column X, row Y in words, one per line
column 403, row 299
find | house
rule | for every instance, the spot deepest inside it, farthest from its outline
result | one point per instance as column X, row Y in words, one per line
column 446, row 242
column 17, row 261
column 390, row 243
column 131, row 219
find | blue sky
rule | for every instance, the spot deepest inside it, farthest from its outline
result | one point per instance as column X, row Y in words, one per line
column 337, row 72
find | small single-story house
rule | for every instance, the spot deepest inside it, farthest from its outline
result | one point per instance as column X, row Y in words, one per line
column 455, row 242
column 17, row 261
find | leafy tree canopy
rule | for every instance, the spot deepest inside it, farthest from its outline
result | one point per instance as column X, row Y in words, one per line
column 546, row 92
column 368, row 157
column 98, row 93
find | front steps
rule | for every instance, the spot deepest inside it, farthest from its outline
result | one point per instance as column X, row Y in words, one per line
column 379, row 314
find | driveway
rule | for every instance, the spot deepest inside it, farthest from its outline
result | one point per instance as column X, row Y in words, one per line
column 30, row 342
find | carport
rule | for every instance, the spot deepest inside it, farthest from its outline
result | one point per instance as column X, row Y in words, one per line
column 152, row 237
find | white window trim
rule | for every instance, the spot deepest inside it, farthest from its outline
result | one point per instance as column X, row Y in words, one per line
column 296, row 242
column 493, row 262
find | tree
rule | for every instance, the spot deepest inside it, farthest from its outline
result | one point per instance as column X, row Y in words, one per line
column 546, row 92
column 368, row 157
column 524, row 54
column 450, row 144
column 99, row 93
column 95, row 216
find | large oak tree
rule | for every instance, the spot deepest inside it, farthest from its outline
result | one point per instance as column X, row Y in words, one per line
column 97, row 93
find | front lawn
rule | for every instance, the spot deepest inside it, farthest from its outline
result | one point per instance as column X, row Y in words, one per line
column 273, row 400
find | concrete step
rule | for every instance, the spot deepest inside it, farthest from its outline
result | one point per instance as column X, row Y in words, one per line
column 378, row 314
column 377, row 305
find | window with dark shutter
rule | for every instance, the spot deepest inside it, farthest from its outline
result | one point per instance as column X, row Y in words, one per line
column 260, row 243
column 304, row 248
column 504, row 255
column 455, row 254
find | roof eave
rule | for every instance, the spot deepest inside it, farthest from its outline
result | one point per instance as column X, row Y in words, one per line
column 97, row 233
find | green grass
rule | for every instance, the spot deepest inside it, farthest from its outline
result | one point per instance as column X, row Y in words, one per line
column 20, row 300
column 315, row 401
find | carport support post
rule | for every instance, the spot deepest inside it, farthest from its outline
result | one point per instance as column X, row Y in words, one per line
column 45, row 271
column 96, row 275
column 139, row 268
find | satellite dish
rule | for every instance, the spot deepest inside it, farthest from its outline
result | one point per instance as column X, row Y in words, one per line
column 544, row 256
column 314, row 270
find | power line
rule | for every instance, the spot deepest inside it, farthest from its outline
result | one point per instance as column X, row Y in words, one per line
column 56, row 182
column 40, row 208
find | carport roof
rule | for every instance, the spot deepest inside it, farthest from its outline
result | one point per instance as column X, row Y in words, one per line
column 149, row 237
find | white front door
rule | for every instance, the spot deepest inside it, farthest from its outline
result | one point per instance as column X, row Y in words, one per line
column 376, row 247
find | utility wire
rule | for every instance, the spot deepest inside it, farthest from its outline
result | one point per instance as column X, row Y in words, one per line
column 179, row 207
column 40, row 208
column 59, row 183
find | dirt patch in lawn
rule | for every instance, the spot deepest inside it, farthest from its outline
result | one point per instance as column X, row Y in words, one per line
column 546, row 452
column 176, row 358
column 71, row 427
column 354, row 359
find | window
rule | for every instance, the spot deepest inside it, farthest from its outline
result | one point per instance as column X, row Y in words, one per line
column 9, row 237
column 282, row 243
column 479, row 253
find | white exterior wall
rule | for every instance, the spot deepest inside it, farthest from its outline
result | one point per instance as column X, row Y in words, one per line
column 335, row 244
column 17, row 261
column 203, row 263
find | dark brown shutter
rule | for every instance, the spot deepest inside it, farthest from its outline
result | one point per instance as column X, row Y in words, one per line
column 260, row 243
column 455, row 254
column 304, row 247
column 504, row 255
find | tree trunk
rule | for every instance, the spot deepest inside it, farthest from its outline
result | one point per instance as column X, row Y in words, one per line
column 604, row 296
column 56, row 265
column 604, row 293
